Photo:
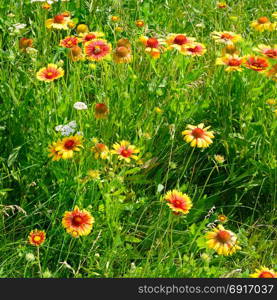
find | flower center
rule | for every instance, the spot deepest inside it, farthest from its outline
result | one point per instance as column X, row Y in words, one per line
column 152, row 43
column 49, row 74
column 266, row 275
column 90, row 37
column 126, row 152
column 37, row 238
column 195, row 49
column 69, row 145
column 180, row 39
column 100, row 147
column 97, row 49
column 197, row 132
column 234, row 62
column 263, row 20
column 223, row 236
column 58, row 19
column 77, row 220
column 122, row 51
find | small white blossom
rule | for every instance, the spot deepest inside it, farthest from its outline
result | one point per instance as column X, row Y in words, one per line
column 80, row 106
column 67, row 130
column 72, row 124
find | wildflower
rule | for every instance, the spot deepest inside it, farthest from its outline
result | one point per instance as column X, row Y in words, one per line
column 122, row 54
column 230, row 49
column 222, row 218
column 256, row 63
column 115, row 18
column 223, row 241
column 125, row 151
column 46, row 6
column 78, row 222
column 119, row 29
column 89, row 36
column 94, row 174
column 82, row 28
column 100, row 151
column 179, row 203
column 271, row 101
column 233, row 62
column 262, row 24
column 139, row 23
column 50, row 73
column 272, row 72
column 36, row 237
column 221, row 5
column 80, row 106
column 69, row 42
column 153, row 46
column 101, row 111
column 268, row 51
column 30, row 257
column 177, row 41
column 76, row 53
column 264, row 272
column 226, row 37
column 97, row 49
column 274, row 15
column 219, row 158
column 55, row 154
column 58, row 22
column 193, row 49
column 198, row 136
column 68, row 145
column 67, row 130
column 25, row 43
column 158, row 110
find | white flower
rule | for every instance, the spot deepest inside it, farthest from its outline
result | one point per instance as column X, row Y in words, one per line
column 80, row 106
column 19, row 26
column 80, row 133
column 66, row 130
column 59, row 127
column 72, row 124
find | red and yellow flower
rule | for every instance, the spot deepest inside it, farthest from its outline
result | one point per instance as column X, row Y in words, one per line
column 272, row 72
column 179, row 203
column 68, row 145
column 59, row 21
column 264, row 272
column 222, row 218
column 78, row 222
column 153, row 46
column 122, row 54
column 198, row 136
column 55, row 154
column 223, row 241
column 193, row 49
column 221, row 5
column 256, row 63
column 100, row 150
column 97, row 49
column 125, row 151
column 232, row 62
column 37, row 237
column 69, row 42
column 226, row 37
column 50, row 73
column 89, row 36
column 268, row 51
column 139, row 23
column 262, row 24
column 177, row 41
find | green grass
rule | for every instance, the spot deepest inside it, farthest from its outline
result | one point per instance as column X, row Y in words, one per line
column 135, row 234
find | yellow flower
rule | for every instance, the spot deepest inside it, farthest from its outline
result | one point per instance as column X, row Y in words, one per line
column 222, row 218
column 139, row 23
column 158, row 110
column 100, row 150
column 179, row 203
column 223, row 241
column 232, row 62
column 226, row 37
column 271, row 101
column 262, row 24
column 68, row 145
column 193, row 49
column 274, row 15
column 177, row 41
column 82, row 28
column 219, row 158
column 115, row 18
column 58, row 22
column 125, row 151
column 221, row 4
column 56, row 155
column 198, row 136
column 94, row 174
column 264, row 272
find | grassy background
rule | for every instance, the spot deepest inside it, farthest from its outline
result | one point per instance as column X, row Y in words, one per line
column 135, row 234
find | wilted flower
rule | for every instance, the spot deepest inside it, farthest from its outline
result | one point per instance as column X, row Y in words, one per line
column 25, row 43
column 100, row 150
column 94, row 174
column 30, row 257
column 76, row 53
column 80, row 106
column 221, row 4
column 101, row 111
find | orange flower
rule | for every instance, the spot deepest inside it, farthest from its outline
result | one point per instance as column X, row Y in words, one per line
column 262, row 24
column 46, row 6
column 25, row 43
column 77, row 222
column 256, row 63
column 89, row 36
column 233, row 62
column 122, row 54
column 221, row 5
column 101, row 111
column 179, row 203
column 270, row 52
column 177, row 41
column 193, row 49
column 76, row 53
column 139, row 23
column 198, row 136
column 264, row 272
column 97, row 49
column 50, row 73
column 36, row 237
column 153, row 46
column 272, row 73
column 100, row 151
column 69, row 42
column 125, row 151
column 59, row 21
column 115, row 18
